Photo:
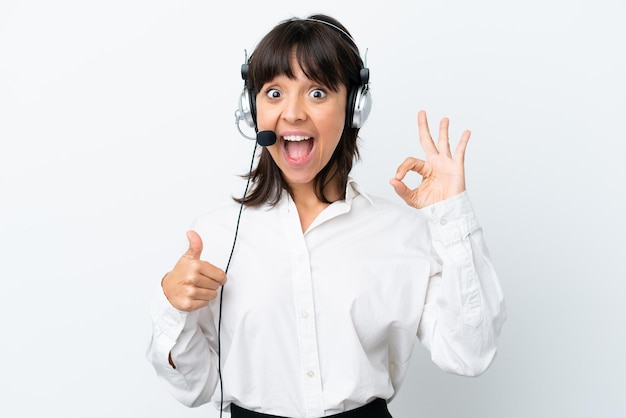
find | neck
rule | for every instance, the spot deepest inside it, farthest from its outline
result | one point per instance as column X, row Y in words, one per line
column 309, row 205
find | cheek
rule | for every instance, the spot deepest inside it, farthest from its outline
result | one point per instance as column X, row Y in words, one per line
column 332, row 121
column 338, row 127
column 259, row 116
column 340, row 122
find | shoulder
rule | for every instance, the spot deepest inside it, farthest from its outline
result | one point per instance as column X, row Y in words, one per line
column 216, row 215
column 383, row 207
column 396, row 211
column 395, row 225
column 225, row 218
column 357, row 192
column 219, row 228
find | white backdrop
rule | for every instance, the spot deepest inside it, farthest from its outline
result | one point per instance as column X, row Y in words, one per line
column 117, row 130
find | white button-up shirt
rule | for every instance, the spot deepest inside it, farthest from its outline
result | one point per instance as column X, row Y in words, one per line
column 324, row 321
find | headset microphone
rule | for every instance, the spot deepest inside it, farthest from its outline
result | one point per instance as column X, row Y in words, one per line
column 266, row 138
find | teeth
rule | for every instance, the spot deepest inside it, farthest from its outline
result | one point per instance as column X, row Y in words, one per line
column 296, row 138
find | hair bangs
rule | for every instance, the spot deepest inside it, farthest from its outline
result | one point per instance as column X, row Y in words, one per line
column 318, row 51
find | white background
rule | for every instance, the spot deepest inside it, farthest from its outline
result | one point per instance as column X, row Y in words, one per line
column 117, row 130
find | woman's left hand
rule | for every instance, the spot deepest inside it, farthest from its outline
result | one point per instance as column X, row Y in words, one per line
column 443, row 174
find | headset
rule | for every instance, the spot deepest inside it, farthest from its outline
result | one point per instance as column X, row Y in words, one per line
column 359, row 101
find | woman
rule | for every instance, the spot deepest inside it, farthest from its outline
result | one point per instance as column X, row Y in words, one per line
column 328, row 286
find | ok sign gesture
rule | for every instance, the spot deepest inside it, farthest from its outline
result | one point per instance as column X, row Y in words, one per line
column 443, row 174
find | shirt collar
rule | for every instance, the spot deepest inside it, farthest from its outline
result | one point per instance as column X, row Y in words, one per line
column 353, row 189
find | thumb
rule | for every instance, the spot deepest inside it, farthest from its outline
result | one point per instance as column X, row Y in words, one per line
column 195, row 245
column 400, row 188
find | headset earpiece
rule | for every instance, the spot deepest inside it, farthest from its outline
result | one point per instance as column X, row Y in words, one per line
column 247, row 105
column 359, row 101
column 244, row 72
column 359, row 106
column 364, row 73
column 247, row 110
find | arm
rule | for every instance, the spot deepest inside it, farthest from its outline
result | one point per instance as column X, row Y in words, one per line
column 464, row 308
column 182, row 349
column 181, row 352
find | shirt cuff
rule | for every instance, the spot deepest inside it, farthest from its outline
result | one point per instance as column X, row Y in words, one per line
column 452, row 220
column 168, row 321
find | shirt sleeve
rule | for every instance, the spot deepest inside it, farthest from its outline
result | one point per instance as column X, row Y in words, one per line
column 464, row 308
column 190, row 342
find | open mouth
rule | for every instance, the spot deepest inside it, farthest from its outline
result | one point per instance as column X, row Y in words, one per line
column 298, row 147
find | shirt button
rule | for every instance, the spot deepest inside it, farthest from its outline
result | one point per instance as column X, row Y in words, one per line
column 301, row 258
column 310, row 373
column 443, row 221
column 304, row 314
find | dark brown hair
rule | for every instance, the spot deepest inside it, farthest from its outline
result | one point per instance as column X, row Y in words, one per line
column 327, row 54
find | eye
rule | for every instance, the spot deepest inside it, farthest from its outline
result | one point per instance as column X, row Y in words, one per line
column 318, row 93
column 273, row 93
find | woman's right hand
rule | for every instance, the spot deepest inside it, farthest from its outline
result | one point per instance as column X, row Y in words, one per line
column 193, row 282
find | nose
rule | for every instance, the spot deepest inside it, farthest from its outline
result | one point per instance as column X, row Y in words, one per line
column 294, row 110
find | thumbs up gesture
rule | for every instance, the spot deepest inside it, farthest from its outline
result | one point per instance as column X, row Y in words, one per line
column 193, row 282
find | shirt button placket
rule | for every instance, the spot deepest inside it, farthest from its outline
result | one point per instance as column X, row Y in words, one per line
column 309, row 361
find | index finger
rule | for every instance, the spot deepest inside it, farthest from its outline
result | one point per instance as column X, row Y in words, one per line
column 211, row 272
column 409, row 164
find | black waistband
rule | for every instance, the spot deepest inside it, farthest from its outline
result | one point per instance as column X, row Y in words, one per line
column 374, row 409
